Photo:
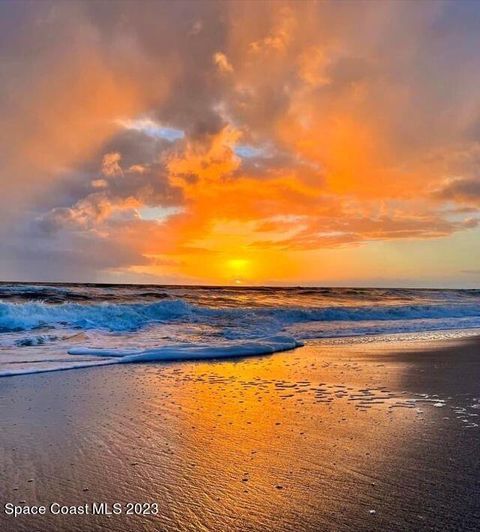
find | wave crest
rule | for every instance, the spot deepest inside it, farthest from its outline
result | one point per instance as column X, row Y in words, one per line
column 120, row 317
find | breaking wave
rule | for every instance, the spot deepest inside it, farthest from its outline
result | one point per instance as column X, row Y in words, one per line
column 118, row 317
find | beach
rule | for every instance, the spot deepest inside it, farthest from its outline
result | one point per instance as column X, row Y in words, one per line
column 341, row 434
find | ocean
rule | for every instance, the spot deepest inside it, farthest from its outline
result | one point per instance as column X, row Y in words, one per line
column 50, row 327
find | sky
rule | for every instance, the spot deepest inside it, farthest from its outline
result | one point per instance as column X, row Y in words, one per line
column 250, row 143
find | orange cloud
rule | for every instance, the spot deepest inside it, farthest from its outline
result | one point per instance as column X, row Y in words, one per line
column 234, row 141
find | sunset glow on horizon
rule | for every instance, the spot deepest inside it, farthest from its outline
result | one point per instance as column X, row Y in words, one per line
column 241, row 143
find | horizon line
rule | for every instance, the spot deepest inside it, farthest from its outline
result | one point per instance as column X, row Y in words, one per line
column 239, row 286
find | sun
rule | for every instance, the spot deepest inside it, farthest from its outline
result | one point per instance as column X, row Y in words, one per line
column 238, row 269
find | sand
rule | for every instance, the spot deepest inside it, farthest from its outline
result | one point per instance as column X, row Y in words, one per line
column 337, row 435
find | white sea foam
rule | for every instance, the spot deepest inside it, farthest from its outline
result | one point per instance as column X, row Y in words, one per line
column 176, row 352
column 47, row 368
column 261, row 346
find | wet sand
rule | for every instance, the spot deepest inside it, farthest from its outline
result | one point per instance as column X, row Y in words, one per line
column 332, row 436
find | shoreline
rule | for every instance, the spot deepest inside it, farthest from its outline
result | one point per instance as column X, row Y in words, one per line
column 312, row 439
column 88, row 357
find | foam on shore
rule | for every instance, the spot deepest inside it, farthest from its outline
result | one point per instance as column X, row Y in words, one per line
column 260, row 346
column 175, row 352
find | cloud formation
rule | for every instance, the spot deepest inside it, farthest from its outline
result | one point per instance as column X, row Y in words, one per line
column 140, row 138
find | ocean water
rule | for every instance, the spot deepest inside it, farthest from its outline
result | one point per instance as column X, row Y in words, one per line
column 48, row 327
